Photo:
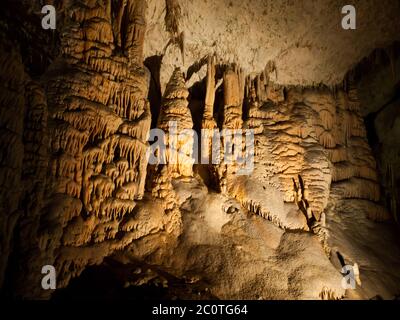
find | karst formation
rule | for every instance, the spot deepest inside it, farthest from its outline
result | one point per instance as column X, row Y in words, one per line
column 200, row 149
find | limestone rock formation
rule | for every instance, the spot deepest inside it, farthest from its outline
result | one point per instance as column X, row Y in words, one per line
column 304, row 39
column 78, row 188
column 176, row 121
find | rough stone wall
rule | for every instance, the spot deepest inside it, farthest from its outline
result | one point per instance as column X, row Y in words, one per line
column 95, row 111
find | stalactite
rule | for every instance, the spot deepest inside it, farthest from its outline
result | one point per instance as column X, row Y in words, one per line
column 175, row 111
column 99, row 120
column 75, row 149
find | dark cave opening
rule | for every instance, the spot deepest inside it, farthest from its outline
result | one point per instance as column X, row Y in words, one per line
column 377, row 80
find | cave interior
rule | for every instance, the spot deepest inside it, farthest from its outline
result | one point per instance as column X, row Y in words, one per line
column 78, row 192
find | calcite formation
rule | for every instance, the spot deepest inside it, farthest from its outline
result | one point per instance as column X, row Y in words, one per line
column 176, row 122
column 77, row 186
column 12, row 123
column 304, row 39
column 97, row 118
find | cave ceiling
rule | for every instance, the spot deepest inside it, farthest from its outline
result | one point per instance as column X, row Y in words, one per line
column 302, row 39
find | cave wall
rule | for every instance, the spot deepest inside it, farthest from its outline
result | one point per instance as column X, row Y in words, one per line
column 76, row 186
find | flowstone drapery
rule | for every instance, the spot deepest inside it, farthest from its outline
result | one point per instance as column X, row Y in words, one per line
column 76, row 185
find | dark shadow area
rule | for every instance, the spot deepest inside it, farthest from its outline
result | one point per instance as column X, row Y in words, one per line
column 377, row 79
column 113, row 280
column 153, row 63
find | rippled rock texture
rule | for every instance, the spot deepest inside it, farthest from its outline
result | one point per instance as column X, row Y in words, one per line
column 77, row 105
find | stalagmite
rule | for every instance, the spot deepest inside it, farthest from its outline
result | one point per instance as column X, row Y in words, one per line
column 232, row 101
column 288, row 176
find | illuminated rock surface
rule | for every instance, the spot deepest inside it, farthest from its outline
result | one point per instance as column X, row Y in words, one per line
column 77, row 107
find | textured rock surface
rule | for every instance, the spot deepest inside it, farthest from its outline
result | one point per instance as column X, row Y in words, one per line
column 303, row 39
column 12, row 123
column 75, row 121
column 378, row 85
